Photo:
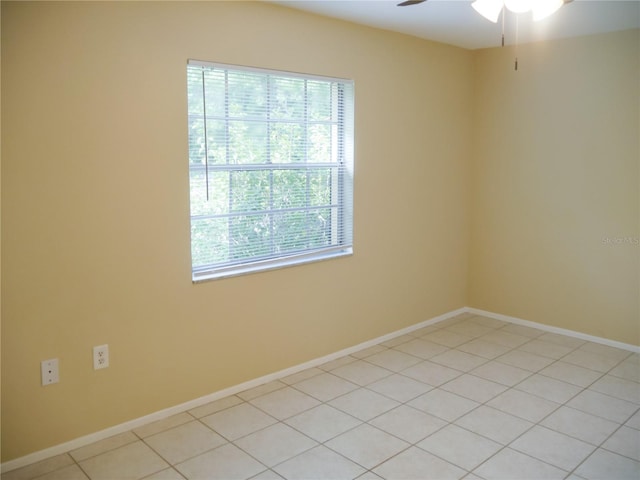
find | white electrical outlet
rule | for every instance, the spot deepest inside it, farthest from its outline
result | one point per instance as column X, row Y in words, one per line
column 100, row 357
column 50, row 372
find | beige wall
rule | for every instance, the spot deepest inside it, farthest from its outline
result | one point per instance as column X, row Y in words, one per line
column 506, row 186
column 555, row 182
column 95, row 219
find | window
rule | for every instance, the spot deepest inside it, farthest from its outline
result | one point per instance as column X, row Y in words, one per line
column 270, row 168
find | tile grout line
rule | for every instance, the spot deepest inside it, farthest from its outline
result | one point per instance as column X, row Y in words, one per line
column 410, row 444
column 534, row 424
column 538, row 423
column 448, row 423
column 620, row 426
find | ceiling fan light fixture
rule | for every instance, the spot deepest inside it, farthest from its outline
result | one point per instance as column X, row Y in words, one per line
column 519, row 6
column 543, row 8
column 489, row 9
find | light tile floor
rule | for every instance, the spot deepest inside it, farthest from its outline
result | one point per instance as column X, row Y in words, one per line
column 471, row 397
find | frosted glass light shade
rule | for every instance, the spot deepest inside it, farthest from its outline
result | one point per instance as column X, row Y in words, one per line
column 489, row 9
column 543, row 8
column 518, row 6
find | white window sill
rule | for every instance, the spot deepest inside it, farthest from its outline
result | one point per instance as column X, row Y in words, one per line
column 245, row 269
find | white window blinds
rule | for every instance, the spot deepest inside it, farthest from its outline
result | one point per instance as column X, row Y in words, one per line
column 271, row 168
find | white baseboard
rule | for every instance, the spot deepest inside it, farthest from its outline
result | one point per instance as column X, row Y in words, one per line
column 549, row 328
column 162, row 414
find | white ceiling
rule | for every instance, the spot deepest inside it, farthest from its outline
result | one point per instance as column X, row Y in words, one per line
column 456, row 23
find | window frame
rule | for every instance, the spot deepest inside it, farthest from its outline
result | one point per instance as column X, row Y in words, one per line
column 341, row 187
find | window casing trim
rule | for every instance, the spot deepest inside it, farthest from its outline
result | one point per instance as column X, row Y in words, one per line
column 266, row 71
column 244, row 268
column 344, row 184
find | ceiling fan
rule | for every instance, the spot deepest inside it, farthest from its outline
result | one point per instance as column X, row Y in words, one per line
column 491, row 9
column 410, row 2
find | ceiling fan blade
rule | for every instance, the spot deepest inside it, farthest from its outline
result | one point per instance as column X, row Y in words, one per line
column 410, row 2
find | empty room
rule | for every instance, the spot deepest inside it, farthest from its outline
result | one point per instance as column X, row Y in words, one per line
column 332, row 240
